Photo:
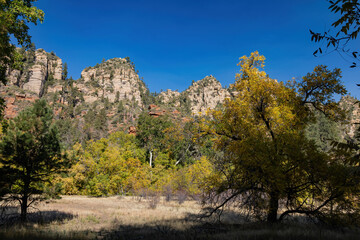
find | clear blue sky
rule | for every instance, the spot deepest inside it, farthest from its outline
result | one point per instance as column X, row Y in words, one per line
column 174, row 42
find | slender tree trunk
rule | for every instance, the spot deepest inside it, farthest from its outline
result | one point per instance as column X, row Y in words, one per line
column 273, row 207
column 151, row 156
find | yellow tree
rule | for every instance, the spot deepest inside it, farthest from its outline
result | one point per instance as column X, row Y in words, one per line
column 267, row 159
column 108, row 166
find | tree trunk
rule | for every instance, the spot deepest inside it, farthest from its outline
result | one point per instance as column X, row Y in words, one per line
column 24, row 202
column 150, row 160
column 24, row 199
column 273, row 207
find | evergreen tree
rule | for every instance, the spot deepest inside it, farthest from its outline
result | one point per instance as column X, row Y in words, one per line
column 31, row 153
column 64, row 74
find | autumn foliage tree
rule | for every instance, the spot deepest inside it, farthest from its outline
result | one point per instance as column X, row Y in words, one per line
column 108, row 166
column 267, row 159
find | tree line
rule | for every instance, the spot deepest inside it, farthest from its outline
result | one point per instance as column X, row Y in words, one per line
column 259, row 150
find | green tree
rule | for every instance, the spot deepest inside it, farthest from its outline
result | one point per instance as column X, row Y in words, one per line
column 100, row 120
column 131, row 63
column 120, row 107
column 15, row 15
column 117, row 97
column 179, row 142
column 64, row 73
column 266, row 157
column 30, row 154
column 323, row 131
column 69, row 94
column 150, row 132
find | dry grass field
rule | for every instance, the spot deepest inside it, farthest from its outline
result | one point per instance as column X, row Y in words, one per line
column 81, row 217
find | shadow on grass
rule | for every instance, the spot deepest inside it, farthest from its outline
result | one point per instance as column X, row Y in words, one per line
column 205, row 231
column 164, row 230
column 39, row 217
column 35, row 227
column 190, row 227
column 42, row 235
column 168, row 230
column 194, row 226
column 46, row 217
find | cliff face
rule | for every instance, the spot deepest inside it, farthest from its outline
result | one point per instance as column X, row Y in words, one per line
column 38, row 68
column 204, row 94
column 114, row 79
column 168, row 96
column 351, row 105
column 200, row 96
column 17, row 102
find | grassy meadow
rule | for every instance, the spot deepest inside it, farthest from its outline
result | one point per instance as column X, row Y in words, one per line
column 154, row 217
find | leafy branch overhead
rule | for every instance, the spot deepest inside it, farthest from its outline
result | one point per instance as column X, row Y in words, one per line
column 346, row 28
column 15, row 15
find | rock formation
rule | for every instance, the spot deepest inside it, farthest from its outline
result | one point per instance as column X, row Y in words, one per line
column 351, row 105
column 200, row 96
column 114, row 79
column 37, row 69
column 17, row 100
column 156, row 111
column 168, row 96
column 206, row 93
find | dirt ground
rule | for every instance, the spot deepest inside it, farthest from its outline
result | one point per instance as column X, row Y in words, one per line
column 89, row 217
column 81, row 217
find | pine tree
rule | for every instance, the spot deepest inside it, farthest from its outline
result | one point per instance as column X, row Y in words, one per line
column 31, row 153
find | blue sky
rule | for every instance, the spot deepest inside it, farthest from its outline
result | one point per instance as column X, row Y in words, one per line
column 175, row 42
